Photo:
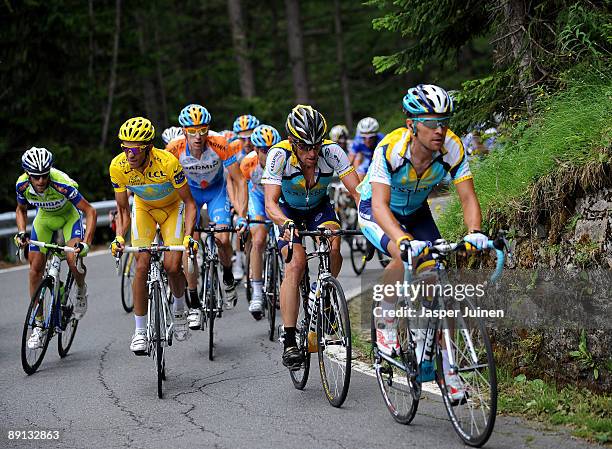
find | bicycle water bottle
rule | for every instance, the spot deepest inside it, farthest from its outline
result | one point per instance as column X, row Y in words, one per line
column 312, row 330
column 424, row 352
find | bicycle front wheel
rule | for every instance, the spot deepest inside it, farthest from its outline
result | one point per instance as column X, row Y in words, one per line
column 160, row 362
column 211, row 306
column 334, row 342
column 272, row 290
column 472, row 414
column 300, row 377
column 38, row 319
column 128, row 269
column 68, row 322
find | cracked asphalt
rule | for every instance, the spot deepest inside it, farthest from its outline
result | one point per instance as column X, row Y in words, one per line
column 102, row 396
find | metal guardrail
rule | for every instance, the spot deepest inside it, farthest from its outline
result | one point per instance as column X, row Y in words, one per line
column 8, row 226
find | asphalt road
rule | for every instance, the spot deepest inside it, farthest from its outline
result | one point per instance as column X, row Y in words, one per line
column 102, row 396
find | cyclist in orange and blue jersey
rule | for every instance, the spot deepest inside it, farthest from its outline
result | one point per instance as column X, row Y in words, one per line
column 204, row 154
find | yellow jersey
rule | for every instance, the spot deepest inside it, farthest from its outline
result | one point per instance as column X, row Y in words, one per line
column 156, row 185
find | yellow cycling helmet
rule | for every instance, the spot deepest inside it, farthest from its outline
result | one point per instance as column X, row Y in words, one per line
column 137, row 129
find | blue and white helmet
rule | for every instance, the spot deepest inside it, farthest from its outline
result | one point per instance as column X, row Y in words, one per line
column 245, row 123
column 427, row 99
column 171, row 133
column 37, row 161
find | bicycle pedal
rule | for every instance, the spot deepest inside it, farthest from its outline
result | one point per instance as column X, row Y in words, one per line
column 140, row 353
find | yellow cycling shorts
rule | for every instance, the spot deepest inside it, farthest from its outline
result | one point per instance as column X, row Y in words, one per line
column 170, row 219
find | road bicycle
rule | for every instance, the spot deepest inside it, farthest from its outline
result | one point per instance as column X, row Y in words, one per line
column 211, row 293
column 160, row 326
column 323, row 324
column 272, row 272
column 463, row 338
column 51, row 309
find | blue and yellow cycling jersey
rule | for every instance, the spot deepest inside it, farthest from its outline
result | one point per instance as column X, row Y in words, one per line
column 283, row 169
column 156, row 185
column 391, row 166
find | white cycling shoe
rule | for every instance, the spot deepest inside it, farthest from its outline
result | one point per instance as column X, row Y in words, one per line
column 387, row 342
column 37, row 338
column 139, row 342
column 80, row 306
column 194, row 319
column 455, row 387
column 256, row 307
column 181, row 330
column 231, row 297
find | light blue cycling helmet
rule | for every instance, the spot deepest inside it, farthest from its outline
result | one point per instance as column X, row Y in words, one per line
column 265, row 136
column 245, row 123
column 194, row 115
column 427, row 99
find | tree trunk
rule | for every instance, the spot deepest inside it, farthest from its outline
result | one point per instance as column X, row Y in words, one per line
column 160, row 80
column 241, row 50
column 516, row 14
column 296, row 51
column 113, row 74
column 148, row 88
column 91, row 43
column 344, row 82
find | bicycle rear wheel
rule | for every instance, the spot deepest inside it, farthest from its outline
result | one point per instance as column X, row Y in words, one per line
column 334, row 342
column 473, row 416
column 68, row 322
column 399, row 390
column 248, row 285
column 300, row 377
column 272, row 290
column 128, row 269
column 41, row 305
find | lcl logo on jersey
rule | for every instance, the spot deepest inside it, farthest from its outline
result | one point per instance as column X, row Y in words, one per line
column 157, row 174
column 134, row 179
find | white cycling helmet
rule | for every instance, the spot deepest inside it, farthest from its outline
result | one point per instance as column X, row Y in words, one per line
column 367, row 126
column 171, row 133
column 37, row 161
column 337, row 132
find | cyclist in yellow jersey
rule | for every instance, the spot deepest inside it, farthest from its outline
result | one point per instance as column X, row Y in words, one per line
column 161, row 197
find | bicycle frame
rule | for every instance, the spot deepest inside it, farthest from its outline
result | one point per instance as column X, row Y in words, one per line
column 155, row 277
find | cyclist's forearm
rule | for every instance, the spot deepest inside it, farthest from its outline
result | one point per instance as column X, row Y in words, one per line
column 91, row 219
column 190, row 217
column 21, row 217
column 275, row 213
column 241, row 195
column 122, row 221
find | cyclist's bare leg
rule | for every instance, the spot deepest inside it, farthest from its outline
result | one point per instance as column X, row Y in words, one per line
column 139, row 286
column 176, row 278
column 225, row 248
column 334, row 255
column 289, row 292
column 71, row 259
column 37, row 269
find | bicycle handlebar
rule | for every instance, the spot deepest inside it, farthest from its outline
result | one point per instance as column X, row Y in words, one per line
column 321, row 232
column 59, row 248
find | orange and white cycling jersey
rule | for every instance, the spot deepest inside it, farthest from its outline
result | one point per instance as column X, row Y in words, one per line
column 252, row 171
column 208, row 169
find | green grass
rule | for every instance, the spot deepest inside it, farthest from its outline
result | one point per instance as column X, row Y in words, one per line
column 587, row 414
column 569, row 127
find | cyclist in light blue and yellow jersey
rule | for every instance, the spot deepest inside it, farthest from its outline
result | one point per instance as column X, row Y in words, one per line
column 406, row 166
column 298, row 172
